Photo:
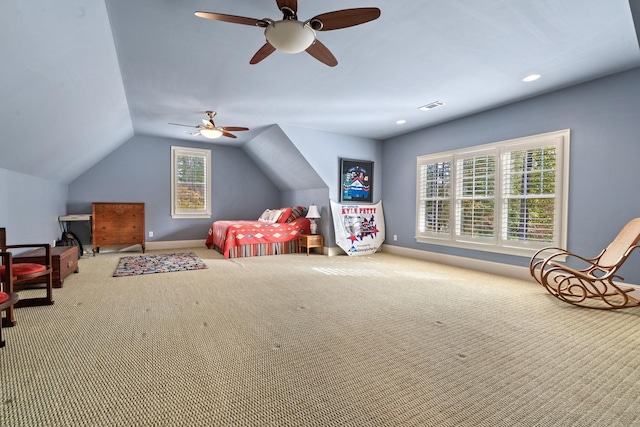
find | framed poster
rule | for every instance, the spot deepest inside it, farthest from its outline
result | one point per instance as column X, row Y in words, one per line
column 356, row 180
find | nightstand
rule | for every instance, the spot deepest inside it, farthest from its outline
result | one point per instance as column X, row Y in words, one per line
column 310, row 241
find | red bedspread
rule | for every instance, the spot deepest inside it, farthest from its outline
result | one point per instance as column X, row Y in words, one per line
column 227, row 234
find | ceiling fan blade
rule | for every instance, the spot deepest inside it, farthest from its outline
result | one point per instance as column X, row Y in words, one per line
column 232, row 129
column 345, row 18
column 228, row 135
column 322, row 54
column 291, row 4
column 262, row 53
column 232, row 18
column 178, row 124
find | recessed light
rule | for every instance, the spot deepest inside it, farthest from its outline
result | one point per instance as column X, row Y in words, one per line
column 531, row 78
column 401, row 122
column 431, row 106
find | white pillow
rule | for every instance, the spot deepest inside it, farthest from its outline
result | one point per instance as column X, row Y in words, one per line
column 275, row 215
column 265, row 215
column 271, row 215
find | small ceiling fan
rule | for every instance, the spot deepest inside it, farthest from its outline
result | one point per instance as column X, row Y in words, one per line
column 292, row 36
column 209, row 129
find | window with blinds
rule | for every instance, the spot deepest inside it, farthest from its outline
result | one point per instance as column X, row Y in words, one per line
column 435, row 198
column 530, row 194
column 190, row 183
column 475, row 196
column 508, row 197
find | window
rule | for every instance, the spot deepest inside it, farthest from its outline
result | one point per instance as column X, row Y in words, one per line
column 190, row 183
column 509, row 197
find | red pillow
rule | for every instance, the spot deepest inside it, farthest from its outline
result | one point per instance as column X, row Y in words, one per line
column 296, row 212
column 284, row 216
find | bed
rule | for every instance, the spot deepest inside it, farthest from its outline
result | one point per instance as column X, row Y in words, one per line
column 276, row 232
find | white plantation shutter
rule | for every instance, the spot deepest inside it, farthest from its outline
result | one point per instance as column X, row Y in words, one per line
column 532, row 193
column 190, row 183
column 434, row 204
column 476, row 195
column 508, row 197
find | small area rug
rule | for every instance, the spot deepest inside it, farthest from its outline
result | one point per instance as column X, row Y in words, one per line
column 164, row 263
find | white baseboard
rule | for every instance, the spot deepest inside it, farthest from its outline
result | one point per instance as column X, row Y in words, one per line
column 176, row 244
column 474, row 264
column 333, row 251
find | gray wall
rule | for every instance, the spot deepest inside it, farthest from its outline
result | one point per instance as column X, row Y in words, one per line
column 31, row 207
column 298, row 181
column 140, row 171
column 604, row 118
column 323, row 151
column 604, row 175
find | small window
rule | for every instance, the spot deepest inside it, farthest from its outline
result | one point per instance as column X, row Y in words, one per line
column 190, row 183
column 508, row 197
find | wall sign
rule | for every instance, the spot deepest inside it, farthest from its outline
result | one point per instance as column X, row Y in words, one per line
column 359, row 228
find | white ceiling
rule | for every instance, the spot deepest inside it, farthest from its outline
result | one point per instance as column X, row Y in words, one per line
column 65, row 88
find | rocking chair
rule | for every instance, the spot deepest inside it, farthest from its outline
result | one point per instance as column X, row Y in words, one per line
column 595, row 283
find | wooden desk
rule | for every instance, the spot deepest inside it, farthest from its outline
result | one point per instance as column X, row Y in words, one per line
column 310, row 241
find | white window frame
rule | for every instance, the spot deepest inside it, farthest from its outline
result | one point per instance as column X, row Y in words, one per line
column 176, row 212
column 498, row 242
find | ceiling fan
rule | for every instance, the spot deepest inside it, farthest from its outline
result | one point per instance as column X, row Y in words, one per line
column 209, row 129
column 292, row 36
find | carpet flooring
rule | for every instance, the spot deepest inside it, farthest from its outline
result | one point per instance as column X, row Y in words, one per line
column 296, row 340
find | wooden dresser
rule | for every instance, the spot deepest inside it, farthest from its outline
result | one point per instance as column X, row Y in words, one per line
column 117, row 224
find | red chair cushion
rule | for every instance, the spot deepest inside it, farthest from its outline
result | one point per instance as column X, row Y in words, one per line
column 21, row 269
column 3, row 297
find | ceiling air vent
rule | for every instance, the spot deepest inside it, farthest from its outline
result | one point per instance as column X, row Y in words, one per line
column 431, row 106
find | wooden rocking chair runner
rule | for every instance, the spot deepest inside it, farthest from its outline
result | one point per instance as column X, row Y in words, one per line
column 595, row 284
column 14, row 276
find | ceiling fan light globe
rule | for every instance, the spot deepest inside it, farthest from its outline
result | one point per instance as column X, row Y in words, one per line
column 290, row 36
column 211, row 133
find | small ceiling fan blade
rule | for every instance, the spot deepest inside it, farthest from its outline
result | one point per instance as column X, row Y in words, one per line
column 178, row 124
column 345, row 18
column 232, row 129
column 291, row 4
column 262, row 53
column 228, row 135
column 231, row 18
column 322, row 53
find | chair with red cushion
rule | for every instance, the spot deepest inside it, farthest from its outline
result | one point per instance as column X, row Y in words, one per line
column 6, row 301
column 16, row 276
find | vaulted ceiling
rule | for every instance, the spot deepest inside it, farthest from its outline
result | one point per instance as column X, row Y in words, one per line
column 80, row 77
